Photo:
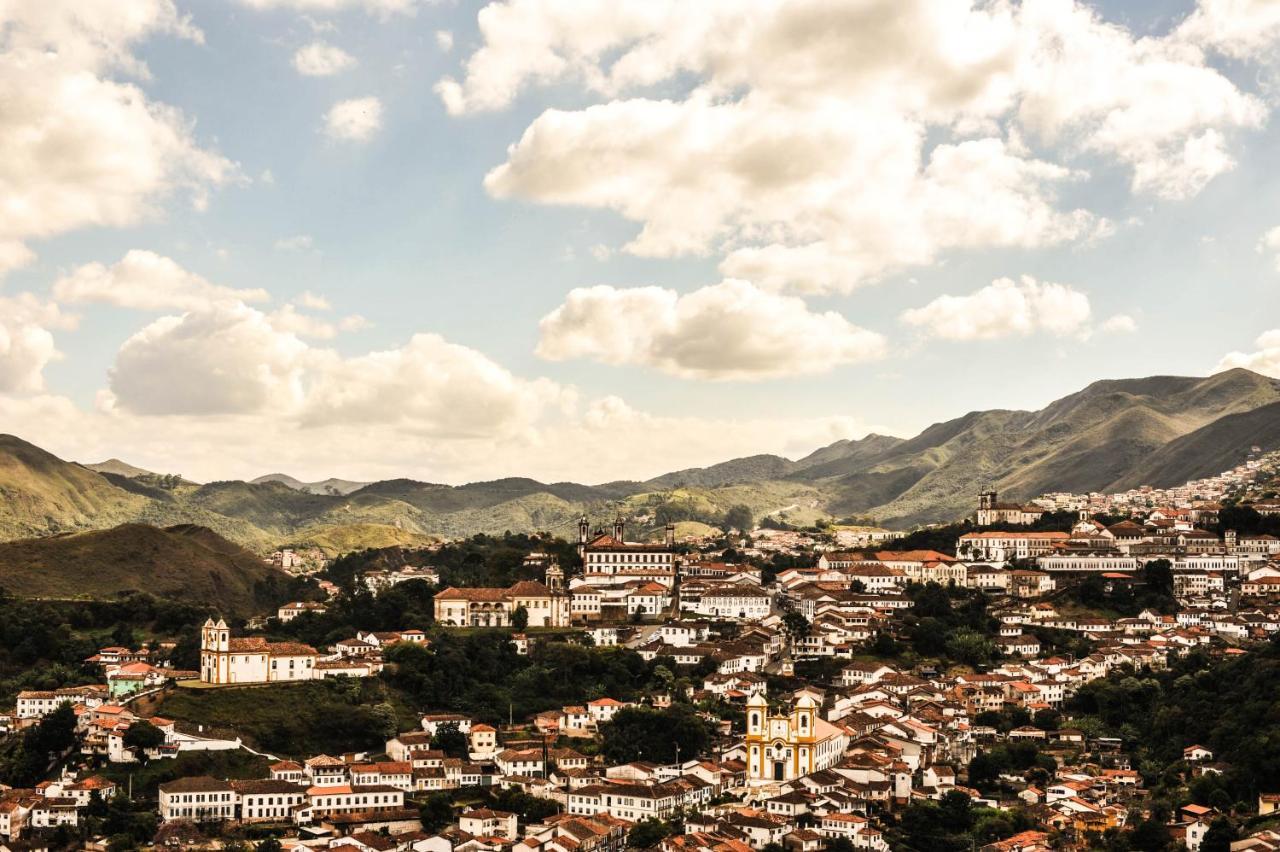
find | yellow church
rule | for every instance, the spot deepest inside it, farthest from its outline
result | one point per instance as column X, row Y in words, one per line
column 784, row 747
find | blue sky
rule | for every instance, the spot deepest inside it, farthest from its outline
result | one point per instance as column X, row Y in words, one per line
column 1129, row 227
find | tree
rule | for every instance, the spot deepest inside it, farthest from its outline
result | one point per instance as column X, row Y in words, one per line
column 637, row 733
column 1158, row 576
column 269, row 845
column 739, row 518
column 436, row 812
column 647, row 833
column 143, row 735
column 1219, row 837
column 450, row 740
column 795, row 625
column 520, row 618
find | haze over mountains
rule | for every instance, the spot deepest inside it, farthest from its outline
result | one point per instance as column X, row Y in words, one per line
column 1109, row 436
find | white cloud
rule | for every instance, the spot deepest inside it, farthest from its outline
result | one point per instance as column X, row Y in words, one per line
column 14, row 255
column 381, row 8
column 1005, row 308
column 432, row 387
column 600, row 440
column 444, row 40
column 298, row 242
column 821, row 145
column 731, row 330
column 1241, row 29
column 79, row 147
column 313, row 301
column 233, row 360
column 817, row 200
column 289, row 319
column 26, row 341
column 1120, row 324
column 226, row 359
column 146, row 281
column 354, row 120
column 354, row 322
column 1264, row 359
column 320, row 59
column 1269, row 244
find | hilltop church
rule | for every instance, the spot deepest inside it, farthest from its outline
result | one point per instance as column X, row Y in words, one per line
column 991, row 511
column 251, row 659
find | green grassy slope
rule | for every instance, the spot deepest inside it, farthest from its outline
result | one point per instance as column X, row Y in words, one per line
column 186, row 563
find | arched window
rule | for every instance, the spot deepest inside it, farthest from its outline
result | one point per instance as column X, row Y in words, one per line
column 755, row 720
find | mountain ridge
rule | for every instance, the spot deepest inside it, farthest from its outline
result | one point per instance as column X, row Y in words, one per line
column 1106, row 435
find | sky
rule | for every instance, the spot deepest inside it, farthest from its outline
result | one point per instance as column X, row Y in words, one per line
column 602, row 239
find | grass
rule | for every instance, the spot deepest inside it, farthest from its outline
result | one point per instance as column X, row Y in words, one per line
column 219, row 764
column 297, row 720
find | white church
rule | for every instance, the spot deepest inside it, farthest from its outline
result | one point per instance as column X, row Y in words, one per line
column 252, row 659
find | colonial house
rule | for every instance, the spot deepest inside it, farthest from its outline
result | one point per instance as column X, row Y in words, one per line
column 546, row 605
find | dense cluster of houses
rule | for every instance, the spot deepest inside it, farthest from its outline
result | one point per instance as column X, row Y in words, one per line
column 799, row 767
column 1197, row 493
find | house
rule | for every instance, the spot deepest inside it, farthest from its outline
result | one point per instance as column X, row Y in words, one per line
column 293, row 609
column 546, row 605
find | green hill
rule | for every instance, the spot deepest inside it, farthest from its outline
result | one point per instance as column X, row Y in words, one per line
column 186, row 562
column 1113, row 434
column 41, row 494
column 1083, row 442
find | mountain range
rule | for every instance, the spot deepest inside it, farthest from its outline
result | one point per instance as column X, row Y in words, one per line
column 1112, row 435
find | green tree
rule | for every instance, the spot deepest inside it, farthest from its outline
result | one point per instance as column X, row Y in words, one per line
column 143, row 735
column 647, row 833
column 520, row 618
column 436, row 812
column 739, row 518
column 795, row 624
column 1220, row 836
column 450, row 740
column 637, row 733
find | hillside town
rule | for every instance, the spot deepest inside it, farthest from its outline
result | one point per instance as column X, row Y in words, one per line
column 839, row 699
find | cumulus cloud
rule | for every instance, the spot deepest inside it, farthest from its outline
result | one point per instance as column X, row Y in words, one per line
column 26, row 341
column 313, row 301
column 1269, row 244
column 146, row 281
column 823, row 145
column 1120, row 324
column 381, row 8
column 225, row 359
column 731, row 330
column 1241, row 29
column 1005, row 308
column 289, row 319
column 1264, row 359
column 444, row 40
column 79, row 145
column 320, row 59
column 354, row 120
column 234, row 360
